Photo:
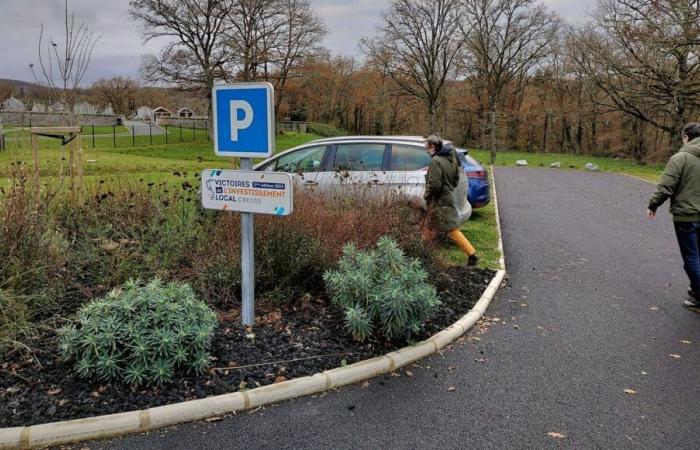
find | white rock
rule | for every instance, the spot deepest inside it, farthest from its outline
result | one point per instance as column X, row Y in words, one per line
column 521, row 162
column 556, row 165
column 592, row 167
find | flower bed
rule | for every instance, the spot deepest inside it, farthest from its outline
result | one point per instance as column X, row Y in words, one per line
column 287, row 343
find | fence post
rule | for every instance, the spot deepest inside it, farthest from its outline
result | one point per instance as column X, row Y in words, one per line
column 93, row 135
column 180, row 132
column 114, row 135
column 150, row 134
column 166, row 133
column 193, row 135
column 133, row 135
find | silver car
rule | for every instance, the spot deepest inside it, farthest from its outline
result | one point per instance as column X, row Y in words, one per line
column 396, row 164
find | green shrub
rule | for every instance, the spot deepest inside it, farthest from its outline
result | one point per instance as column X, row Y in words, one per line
column 324, row 130
column 381, row 291
column 141, row 334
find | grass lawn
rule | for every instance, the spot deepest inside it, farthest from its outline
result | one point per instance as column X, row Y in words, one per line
column 622, row 166
column 157, row 162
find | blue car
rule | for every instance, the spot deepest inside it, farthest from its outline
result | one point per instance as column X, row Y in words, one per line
column 479, row 188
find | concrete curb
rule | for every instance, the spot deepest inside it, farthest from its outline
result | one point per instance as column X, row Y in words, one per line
column 101, row 427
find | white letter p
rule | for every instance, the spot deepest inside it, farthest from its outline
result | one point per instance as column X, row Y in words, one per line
column 243, row 123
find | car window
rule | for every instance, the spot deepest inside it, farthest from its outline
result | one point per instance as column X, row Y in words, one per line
column 408, row 158
column 303, row 160
column 359, row 157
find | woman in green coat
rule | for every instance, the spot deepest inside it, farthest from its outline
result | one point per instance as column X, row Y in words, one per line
column 440, row 184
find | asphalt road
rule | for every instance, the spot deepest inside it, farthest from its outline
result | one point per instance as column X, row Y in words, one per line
column 142, row 128
column 592, row 308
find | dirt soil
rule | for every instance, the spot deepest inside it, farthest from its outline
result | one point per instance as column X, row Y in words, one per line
column 285, row 344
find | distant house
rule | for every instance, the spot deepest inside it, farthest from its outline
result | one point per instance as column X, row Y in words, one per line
column 185, row 113
column 39, row 108
column 144, row 113
column 13, row 105
column 57, row 107
column 85, row 108
column 108, row 111
column 161, row 112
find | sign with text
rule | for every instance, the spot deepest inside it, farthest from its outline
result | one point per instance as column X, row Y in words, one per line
column 244, row 120
column 248, row 191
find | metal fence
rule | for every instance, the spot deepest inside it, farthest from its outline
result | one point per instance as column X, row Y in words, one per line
column 116, row 136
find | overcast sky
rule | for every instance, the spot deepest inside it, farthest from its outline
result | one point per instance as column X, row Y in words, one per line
column 120, row 48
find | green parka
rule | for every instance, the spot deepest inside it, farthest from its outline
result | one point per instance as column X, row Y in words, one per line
column 440, row 183
column 681, row 183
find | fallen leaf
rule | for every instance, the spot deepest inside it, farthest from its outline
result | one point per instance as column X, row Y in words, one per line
column 555, row 435
column 674, row 355
column 686, row 342
column 395, row 375
column 480, row 360
column 409, row 373
column 643, row 372
column 365, row 385
column 654, row 308
column 451, row 368
column 280, row 379
column 53, row 391
column 214, row 419
column 451, row 388
column 630, row 391
column 523, row 305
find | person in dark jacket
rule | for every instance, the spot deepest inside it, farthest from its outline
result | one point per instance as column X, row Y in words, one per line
column 681, row 183
column 440, row 182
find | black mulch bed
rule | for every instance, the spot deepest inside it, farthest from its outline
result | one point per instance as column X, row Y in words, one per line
column 300, row 341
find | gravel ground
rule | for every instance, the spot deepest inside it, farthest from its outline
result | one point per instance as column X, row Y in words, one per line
column 592, row 309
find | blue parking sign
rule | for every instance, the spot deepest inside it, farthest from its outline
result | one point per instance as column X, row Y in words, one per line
column 244, row 120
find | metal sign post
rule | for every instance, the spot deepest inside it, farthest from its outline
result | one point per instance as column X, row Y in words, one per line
column 244, row 127
column 247, row 261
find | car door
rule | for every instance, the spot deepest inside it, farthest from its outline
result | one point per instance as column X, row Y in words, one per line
column 360, row 163
column 308, row 165
column 408, row 165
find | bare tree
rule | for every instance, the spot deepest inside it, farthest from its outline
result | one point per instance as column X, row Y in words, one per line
column 196, row 53
column 255, row 25
column 272, row 38
column 7, row 89
column 505, row 41
column 63, row 69
column 419, row 42
column 298, row 38
column 116, row 91
column 645, row 56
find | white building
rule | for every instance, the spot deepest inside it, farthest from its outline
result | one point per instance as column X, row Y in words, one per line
column 108, row 111
column 161, row 112
column 144, row 113
column 185, row 113
column 14, row 105
column 57, row 107
column 39, row 108
column 85, row 108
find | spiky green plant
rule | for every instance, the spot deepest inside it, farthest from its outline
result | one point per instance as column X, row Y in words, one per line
column 381, row 291
column 140, row 334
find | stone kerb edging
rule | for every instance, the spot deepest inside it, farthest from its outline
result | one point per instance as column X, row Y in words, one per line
column 112, row 425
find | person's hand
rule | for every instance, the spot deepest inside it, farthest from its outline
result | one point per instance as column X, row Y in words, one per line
column 651, row 214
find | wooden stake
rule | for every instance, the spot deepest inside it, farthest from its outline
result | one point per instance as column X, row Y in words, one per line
column 35, row 155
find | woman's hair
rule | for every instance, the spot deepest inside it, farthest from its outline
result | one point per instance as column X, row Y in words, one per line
column 692, row 130
column 435, row 141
